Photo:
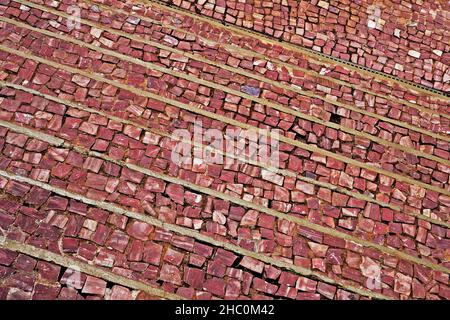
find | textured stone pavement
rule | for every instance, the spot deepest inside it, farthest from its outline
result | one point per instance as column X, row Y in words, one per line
column 93, row 207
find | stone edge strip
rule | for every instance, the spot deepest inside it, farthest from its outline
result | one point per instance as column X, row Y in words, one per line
column 261, row 101
column 224, row 119
column 193, row 234
column 269, row 104
column 247, row 204
column 247, row 52
column 309, row 52
column 83, row 267
column 284, row 172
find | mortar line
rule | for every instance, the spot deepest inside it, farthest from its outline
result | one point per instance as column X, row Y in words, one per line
column 193, row 234
column 261, row 101
column 288, row 66
column 306, row 51
column 228, row 120
column 68, row 262
column 247, row 204
column 253, row 76
column 284, row 172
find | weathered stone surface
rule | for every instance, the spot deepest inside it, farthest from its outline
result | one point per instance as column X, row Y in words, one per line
column 185, row 248
column 94, row 286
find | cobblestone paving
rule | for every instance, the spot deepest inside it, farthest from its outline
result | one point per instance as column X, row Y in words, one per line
column 355, row 205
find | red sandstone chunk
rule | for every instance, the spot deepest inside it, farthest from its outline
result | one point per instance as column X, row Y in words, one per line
column 155, row 185
column 176, row 193
column 264, row 286
column 250, row 218
column 319, row 250
column 402, row 284
column 40, row 79
column 226, row 257
column 89, row 128
column 170, row 273
column 272, row 177
column 152, row 253
column 203, row 249
column 305, row 284
column 252, row 264
column 182, row 242
column 37, row 196
column 194, row 277
column 118, row 240
column 61, row 170
column 93, row 164
column 48, row 271
column 233, row 289
column 7, row 257
column 346, row 180
column 132, row 132
column 216, row 268
column 174, row 257
column 139, row 230
column 120, row 293
column 57, row 203
column 215, row 285
column 16, row 139
column 326, row 290
column 266, row 221
column 94, row 286
column 305, row 187
column 96, row 181
column 81, row 80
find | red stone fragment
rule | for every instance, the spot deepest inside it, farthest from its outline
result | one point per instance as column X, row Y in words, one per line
column 94, row 286
column 139, row 230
